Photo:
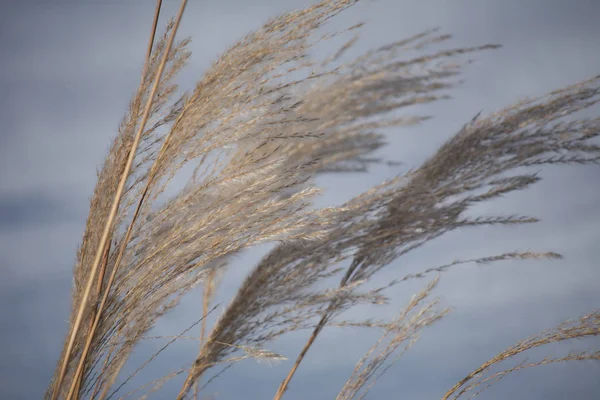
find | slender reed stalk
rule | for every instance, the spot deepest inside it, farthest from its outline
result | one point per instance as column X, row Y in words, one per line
column 113, row 211
column 209, row 288
column 320, row 325
column 97, row 311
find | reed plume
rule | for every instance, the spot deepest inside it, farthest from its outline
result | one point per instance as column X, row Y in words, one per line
column 265, row 120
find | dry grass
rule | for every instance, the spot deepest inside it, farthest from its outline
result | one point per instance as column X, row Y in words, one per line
column 263, row 121
column 586, row 326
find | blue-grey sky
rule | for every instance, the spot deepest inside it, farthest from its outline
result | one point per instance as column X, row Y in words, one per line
column 67, row 71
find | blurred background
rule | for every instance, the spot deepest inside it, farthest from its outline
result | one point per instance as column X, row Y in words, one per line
column 67, row 72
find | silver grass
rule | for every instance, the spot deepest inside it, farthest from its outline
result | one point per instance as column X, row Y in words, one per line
column 262, row 122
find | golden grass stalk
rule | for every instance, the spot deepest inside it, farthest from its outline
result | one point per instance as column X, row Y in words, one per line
column 209, row 289
column 97, row 311
column 111, row 217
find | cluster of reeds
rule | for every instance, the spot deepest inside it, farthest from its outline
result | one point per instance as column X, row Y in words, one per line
column 263, row 121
